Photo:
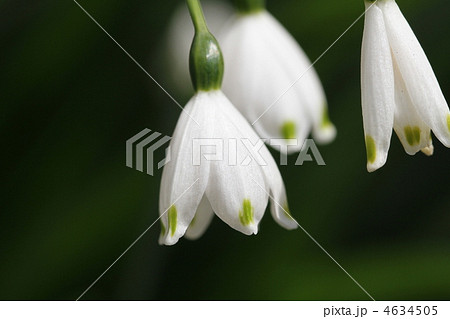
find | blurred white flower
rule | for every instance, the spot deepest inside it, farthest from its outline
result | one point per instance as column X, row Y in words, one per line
column 179, row 38
column 236, row 192
column 271, row 81
column 399, row 87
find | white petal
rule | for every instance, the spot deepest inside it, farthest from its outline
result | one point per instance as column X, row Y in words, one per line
column 281, row 212
column 255, row 81
column 273, row 182
column 420, row 80
column 411, row 130
column 429, row 150
column 377, row 88
column 272, row 177
column 234, row 189
column 201, row 221
column 183, row 183
column 302, row 73
column 278, row 201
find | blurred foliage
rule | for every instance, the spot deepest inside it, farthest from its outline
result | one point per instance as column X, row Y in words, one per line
column 70, row 98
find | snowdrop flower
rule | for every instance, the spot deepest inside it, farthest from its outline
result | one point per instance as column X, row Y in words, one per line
column 179, row 38
column 271, row 80
column 399, row 88
column 237, row 191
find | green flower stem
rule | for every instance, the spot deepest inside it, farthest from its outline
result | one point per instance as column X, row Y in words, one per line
column 197, row 16
column 250, row 6
column 205, row 59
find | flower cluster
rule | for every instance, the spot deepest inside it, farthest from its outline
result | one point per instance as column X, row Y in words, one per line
column 399, row 87
column 277, row 93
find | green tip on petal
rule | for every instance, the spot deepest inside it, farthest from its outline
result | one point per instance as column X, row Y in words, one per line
column 371, row 149
column 325, row 118
column 172, row 219
column 409, row 135
column 448, row 122
column 163, row 228
column 412, row 135
column 287, row 211
column 192, row 223
column 416, row 133
column 289, row 130
column 246, row 214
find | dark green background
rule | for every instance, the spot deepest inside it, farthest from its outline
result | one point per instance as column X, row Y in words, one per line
column 70, row 98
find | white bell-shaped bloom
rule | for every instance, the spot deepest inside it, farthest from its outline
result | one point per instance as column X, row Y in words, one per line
column 272, row 82
column 399, row 87
column 179, row 38
column 235, row 184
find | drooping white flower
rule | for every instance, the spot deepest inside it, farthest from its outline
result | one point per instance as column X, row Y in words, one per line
column 235, row 191
column 179, row 38
column 271, row 81
column 237, row 183
column 399, row 87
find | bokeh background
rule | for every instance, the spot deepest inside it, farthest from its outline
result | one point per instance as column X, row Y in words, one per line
column 70, row 98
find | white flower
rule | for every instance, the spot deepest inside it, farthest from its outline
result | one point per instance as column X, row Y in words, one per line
column 271, row 81
column 237, row 193
column 399, row 87
column 179, row 40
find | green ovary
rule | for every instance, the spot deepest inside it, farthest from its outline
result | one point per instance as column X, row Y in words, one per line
column 246, row 214
column 289, row 130
column 371, row 149
column 172, row 219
